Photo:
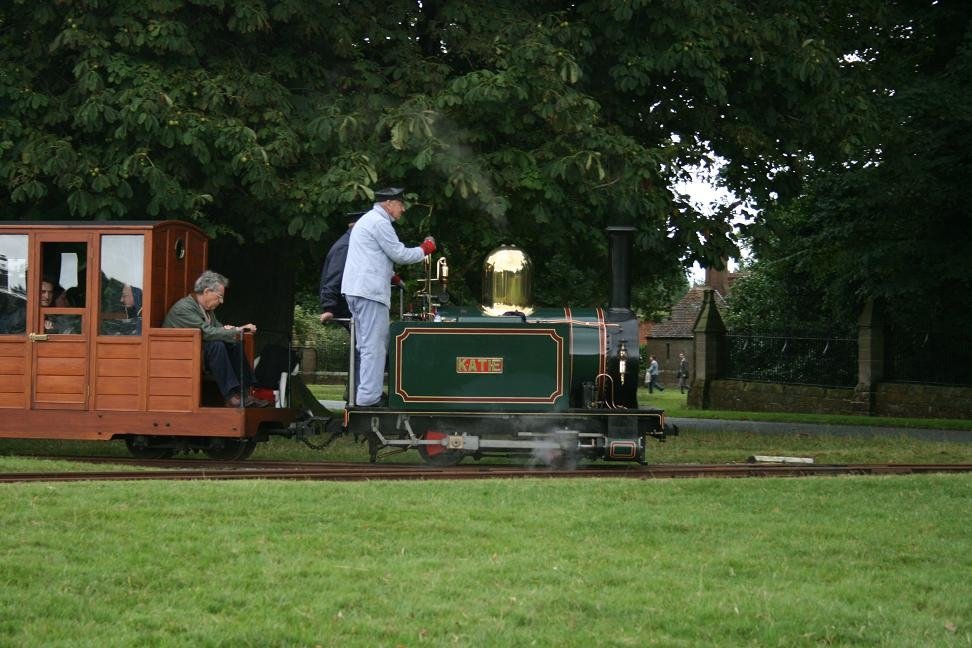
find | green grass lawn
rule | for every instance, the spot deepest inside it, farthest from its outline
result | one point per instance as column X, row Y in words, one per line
column 828, row 561
column 834, row 561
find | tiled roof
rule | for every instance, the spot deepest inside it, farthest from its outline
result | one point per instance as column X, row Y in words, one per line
column 684, row 314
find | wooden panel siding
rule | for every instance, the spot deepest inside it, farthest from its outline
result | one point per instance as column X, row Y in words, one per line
column 173, row 278
column 13, row 373
column 166, row 368
column 119, row 385
column 56, row 365
column 60, row 374
column 11, row 383
column 174, row 368
column 60, row 389
column 172, row 349
column 108, row 350
column 119, row 367
column 61, row 349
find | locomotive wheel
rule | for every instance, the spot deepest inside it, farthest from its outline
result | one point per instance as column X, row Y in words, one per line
column 230, row 449
column 438, row 455
column 143, row 449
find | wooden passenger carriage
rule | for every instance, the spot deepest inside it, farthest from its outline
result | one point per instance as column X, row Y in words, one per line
column 89, row 365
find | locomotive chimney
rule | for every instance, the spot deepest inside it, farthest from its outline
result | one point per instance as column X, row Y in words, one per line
column 620, row 253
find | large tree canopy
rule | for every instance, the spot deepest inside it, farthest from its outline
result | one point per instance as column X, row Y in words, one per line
column 538, row 122
column 890, row 222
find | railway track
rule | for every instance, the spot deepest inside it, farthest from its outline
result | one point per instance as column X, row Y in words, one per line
column 330, row 471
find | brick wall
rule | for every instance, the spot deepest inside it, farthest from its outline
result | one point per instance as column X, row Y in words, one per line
column 890, row 399
column 775, row 397
column 923, row 401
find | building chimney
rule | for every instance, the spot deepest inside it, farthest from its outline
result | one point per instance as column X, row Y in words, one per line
column 718, row 280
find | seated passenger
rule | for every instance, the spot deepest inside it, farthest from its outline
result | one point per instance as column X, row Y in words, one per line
column 221, row 351
column 131, row 301
column 47, row 292
column 51, row 294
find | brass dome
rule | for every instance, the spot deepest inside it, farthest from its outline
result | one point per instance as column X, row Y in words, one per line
column 507, row 281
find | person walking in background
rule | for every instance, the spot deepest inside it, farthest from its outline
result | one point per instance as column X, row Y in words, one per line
column 682, row 373
column 652, row 377
column 373, row 248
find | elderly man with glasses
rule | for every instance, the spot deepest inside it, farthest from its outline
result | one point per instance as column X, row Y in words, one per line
column 221, row 350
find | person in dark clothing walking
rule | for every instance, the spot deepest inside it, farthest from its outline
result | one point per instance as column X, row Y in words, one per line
column 682, row 373
column 652, row 375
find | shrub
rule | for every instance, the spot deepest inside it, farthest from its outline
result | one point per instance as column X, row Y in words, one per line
column 330, row 342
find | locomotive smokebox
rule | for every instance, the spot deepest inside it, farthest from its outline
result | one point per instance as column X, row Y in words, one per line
column 619, row 240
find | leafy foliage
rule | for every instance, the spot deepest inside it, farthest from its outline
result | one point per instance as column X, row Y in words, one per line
column 773, row 298
column 330, row 343
column 537, row 122
column 889, row 223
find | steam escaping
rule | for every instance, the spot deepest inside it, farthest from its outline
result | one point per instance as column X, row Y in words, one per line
column 464, row 170
column 556, row 450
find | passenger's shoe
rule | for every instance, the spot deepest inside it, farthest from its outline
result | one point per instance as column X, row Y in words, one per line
column 252, row 401
column 234, row 401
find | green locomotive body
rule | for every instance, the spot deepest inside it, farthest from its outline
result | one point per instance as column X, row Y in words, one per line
column 558, row 384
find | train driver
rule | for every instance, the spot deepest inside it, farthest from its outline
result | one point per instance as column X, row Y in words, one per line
column 372, row 249
column 221, row 351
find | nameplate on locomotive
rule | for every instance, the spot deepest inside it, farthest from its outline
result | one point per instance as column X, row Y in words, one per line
column 468, row 365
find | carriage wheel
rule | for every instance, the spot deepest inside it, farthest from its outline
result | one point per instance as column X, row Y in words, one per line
column 438, row 455
column 142, row 448
column 230, row 449
column 248, row 450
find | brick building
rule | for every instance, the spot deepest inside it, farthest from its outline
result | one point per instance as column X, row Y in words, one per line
column 673, row 335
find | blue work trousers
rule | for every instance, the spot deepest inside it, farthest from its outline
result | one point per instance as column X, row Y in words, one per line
column 371, row 331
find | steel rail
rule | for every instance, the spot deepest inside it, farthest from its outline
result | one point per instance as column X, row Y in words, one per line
column 370, row 472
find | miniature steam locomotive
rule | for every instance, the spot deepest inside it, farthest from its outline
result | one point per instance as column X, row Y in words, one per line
column 557, row 384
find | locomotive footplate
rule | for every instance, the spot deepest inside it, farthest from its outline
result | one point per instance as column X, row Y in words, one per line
column 612, row 435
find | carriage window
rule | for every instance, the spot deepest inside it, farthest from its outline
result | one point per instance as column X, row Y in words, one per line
column 13, row 284
column 62, row 286
column 121, row 285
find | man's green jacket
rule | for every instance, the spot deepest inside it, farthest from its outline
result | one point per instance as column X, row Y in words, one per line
column 187, row 313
